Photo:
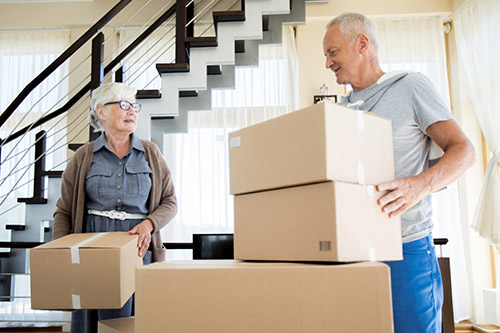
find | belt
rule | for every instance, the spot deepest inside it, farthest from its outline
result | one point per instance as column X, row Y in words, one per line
column 118, row 215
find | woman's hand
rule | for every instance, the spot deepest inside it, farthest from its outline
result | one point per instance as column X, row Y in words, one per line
column 144, row 230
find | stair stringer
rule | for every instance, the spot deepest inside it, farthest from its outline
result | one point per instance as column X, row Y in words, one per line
column 223, row 54
column 274, row 34
column 18, row 262
column 202, row 102
column 250, row 57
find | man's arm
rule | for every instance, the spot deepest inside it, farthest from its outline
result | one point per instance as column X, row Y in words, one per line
column 458, row 156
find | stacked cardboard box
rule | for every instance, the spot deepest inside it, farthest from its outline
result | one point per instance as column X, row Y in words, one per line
column 244, row 297
column 304, row 187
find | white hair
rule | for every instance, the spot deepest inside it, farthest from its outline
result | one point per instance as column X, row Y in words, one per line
column 108, row 92
column 352, row 24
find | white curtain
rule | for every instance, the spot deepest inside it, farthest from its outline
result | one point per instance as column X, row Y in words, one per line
column 418, row 44
column 23, row 55
column 199, row 159
column 477, row 26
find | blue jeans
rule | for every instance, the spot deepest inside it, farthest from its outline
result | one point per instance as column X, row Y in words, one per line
column 417, row 289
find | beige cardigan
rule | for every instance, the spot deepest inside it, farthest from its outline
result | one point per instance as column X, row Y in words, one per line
column 70, row 211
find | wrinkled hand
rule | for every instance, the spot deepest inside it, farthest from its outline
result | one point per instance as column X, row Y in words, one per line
column 403, row 194
column 144, row 230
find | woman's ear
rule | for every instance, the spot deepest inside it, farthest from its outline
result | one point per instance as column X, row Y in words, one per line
column 101, row 113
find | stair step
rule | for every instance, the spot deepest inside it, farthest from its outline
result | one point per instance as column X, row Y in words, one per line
column 265, row 22
column 201, row 41
column 75, row 146
column 33, row 201
column 172, row 68
column 188, row 93
column 4, row 254
column 214, row 70
column 148, row 93
column 53, row 173
column 229, row 16
column 162, row 117
column 15, row 227
column 239, row 46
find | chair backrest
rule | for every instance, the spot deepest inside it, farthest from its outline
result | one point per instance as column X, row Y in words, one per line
column 213, row 246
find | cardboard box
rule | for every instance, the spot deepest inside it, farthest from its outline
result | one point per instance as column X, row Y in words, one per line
column 319, row 143
column 117, row 325
column 84, row 271
column 330, row 221
column 230, row 296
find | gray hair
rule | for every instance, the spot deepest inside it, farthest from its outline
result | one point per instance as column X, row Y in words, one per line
column 352, row 24
column 108, row 92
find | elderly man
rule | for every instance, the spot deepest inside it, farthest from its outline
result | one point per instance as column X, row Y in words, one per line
column 418, row 116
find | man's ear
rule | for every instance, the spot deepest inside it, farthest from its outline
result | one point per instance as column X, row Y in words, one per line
column 363, row 43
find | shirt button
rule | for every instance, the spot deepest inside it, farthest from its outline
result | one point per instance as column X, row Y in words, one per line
column 119, row 174
column 119, row 200
column 120, row 163
column 118, row 187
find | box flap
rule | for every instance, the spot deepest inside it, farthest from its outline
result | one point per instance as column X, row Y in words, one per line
column 65, row 242
column 90, row 240
column 112, row 239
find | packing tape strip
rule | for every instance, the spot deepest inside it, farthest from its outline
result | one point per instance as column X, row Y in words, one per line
column 76, row 301
column 370, row 190
column 361, row 173
column 235, row 142
column 75, row 254
column 361, row 121
column 371, row 254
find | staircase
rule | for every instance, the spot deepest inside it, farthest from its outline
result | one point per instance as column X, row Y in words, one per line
column 185, row 86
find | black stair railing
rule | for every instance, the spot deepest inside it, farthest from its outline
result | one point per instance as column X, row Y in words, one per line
column 97, row 73
column 87, row 88
column 61, row 59
column 184, row 11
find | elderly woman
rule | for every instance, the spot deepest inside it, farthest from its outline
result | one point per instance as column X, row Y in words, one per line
column 116, row 183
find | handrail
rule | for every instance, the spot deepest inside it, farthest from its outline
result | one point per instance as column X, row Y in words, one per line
column 62, row 58
column 86, row 88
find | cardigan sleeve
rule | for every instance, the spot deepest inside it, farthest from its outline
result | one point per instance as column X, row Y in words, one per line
column 63, row 212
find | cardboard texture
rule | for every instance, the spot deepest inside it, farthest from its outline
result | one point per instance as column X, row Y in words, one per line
column 84, row 271
column 330, row 221
column 319, row 143
column 117, row 325
column 231, row 296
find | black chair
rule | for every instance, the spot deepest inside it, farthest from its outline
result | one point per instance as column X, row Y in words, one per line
column 444, row 265
column 213, row 246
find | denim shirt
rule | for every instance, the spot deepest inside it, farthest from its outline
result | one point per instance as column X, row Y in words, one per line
column 118, row 184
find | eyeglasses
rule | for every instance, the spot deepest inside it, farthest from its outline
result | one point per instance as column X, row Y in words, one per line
column 124, row 105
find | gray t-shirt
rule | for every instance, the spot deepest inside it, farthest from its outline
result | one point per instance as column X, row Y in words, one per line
column 412, row 103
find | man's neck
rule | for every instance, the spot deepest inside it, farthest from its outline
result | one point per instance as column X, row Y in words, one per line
column 370, row 77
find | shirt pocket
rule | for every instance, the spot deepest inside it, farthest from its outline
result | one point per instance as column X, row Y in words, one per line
column 138, row 180
column 99, row 182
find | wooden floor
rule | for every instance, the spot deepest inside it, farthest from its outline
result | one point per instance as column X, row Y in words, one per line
column 467, row 327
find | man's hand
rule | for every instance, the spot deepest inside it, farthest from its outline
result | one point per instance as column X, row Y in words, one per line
column 458, row 156
column 144, row 230
column 403, row 194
